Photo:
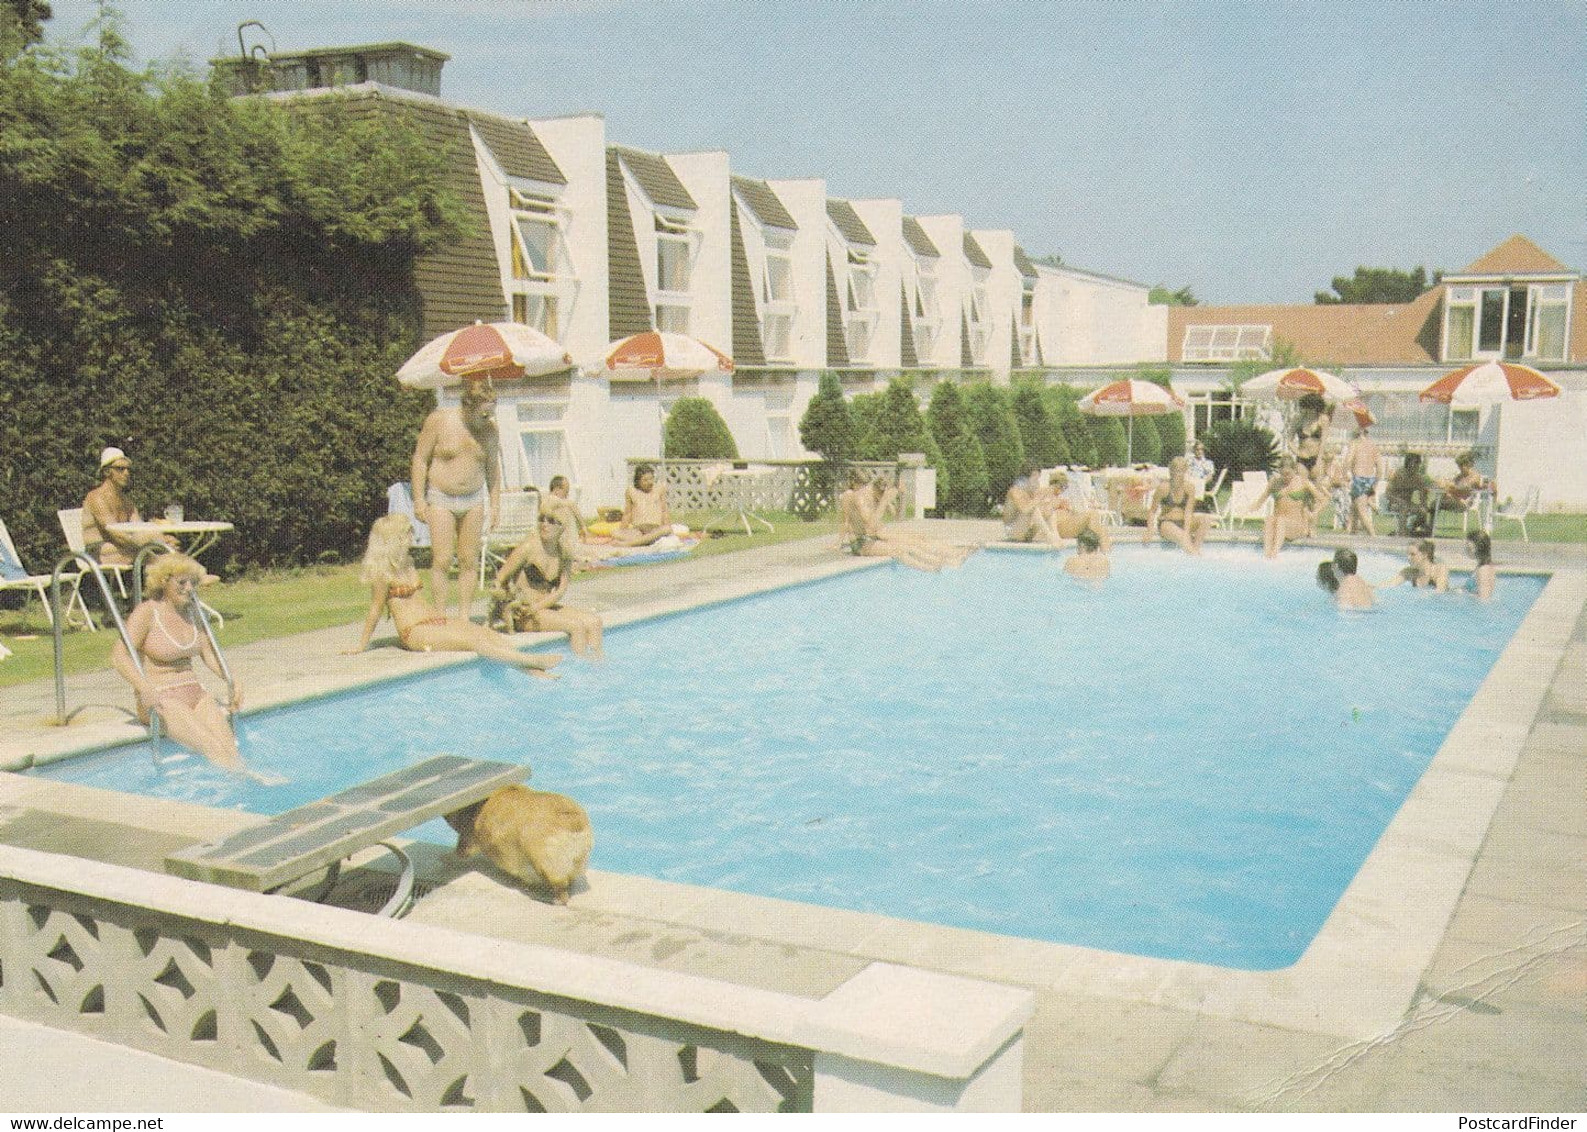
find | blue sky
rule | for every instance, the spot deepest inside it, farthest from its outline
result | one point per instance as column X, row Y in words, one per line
column 1249, row 150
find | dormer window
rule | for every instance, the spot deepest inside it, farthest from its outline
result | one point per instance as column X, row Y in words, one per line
column 777, row 296
column 859, row 324
column 1507, row 321
column 979, row 312
column 676, row 245
column 543, row 282
column 927, row 316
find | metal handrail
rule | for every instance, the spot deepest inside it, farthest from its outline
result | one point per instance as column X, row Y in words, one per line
column 198, row 615
column 81, row 558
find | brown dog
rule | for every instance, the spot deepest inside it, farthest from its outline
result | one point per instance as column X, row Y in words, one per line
column 528, row 834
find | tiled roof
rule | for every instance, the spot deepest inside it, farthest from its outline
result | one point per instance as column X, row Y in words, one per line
column 764, row 203
column 516, row 148
column 837, row 344
column 906, row 330
column 973, row 252
column 1516, row 256
column 748, row 348
column 1340, row 334
column 459, row 282
column 628, row 304
column 1022, row 261
column 656, row 177
column 919, row 243
column 842, row 213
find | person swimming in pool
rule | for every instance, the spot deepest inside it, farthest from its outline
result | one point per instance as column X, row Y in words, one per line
column 1338, row 576
column 1294, row 496
column 1423, row 570
column 395, row 589
column 1484, row 574
column 1089, row 563
column 166, row 634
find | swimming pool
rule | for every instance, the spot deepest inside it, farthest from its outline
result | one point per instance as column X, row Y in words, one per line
column 1158, row 767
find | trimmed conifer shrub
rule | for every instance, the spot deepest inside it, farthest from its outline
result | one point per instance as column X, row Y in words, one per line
column 991, row 413
column 828, row 426
column 696, row 431
column 1038, row 432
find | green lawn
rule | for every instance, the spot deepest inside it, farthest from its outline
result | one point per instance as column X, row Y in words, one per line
column 278, row 603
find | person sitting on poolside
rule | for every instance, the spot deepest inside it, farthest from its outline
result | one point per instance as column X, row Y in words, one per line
column 556, row 503
column 1066, row 520
column 1174, row 517
column 646, row 516
column 883, row 502
column 1023, row 518
column 395, row 586
column 1089, row 562
column 531, row 584
column 1423, row 571
column 166, row 634
column 859, row 531
column 1409, row 494
column 1338, row 576
column 1294, row 496
column 1483, row 575
column 1460, row 491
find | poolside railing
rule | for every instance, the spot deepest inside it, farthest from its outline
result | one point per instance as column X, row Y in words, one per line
column 385, row 1015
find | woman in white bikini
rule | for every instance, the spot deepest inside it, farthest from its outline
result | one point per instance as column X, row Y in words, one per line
column 165, row 632
column 395, row 586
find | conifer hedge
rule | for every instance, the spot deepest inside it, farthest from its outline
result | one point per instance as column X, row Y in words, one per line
column 223, row 288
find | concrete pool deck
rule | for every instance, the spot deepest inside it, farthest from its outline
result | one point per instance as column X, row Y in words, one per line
column 1483, row 1009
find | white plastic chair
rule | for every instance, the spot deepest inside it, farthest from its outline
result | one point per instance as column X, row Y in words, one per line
column 1517, row 513
column 399, row 501
column 15, row 576
column 71, row 520
column 1243, row 494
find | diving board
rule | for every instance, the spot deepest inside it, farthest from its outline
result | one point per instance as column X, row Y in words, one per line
column 321, row 834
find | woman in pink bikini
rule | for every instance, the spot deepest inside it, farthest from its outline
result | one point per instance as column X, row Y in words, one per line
column 389, row 570
column 167, row 636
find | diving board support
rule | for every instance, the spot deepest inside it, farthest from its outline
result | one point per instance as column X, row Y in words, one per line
column 320, row 835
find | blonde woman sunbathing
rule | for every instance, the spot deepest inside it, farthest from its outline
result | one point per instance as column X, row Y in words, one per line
column 395, row 584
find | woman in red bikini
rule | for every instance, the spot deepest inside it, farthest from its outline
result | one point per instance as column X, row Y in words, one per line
column 165, row 632
column 389, row 570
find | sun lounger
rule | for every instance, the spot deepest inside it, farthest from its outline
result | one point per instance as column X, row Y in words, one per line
column 399, row 501
column 15, row 576
column 321, row 834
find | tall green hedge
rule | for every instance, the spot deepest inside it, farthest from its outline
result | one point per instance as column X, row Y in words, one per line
column 222, row 288
column 892, row 424
column 961, row 476
column 1038, row 432
column 991, row 412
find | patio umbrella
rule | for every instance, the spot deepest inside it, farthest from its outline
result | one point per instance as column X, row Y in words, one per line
column 1488, row 383
column 1293, row 384
column 665, row 356
column 1363, row 415
column 1131, row 399
column 500, row 350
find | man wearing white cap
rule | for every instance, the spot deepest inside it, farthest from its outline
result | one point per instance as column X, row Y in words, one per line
column 107, row 504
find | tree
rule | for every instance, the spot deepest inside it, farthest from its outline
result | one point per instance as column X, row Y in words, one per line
column 1161, row 296
column 21, row 24
column 1378, row 285
column 894, row 424
column 991, row 415
column 696, row 431
column 1239, row 447
column 827, row 426
column 1112, row 443
column 1144, row 439
column 1063, row 403
column 961, row 475
column 1038, row 432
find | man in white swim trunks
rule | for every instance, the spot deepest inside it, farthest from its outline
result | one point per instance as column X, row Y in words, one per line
column 454, row 475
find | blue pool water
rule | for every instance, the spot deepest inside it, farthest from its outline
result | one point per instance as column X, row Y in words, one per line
column 1190, row 762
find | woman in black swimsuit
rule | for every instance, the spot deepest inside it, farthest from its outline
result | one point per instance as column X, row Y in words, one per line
column 531, row 584
column 1309, row 432
column 1174, row 515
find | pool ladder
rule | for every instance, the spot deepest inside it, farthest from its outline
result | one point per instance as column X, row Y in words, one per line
column 199, row 615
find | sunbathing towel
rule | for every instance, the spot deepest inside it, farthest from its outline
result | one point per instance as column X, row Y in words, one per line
column 662, row 550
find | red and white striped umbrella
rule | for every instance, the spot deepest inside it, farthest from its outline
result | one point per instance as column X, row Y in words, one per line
column 664, row 356
column 1131, row 398
column 498, row 350
column 1294, row 383
column 1363, row 415
column 1488, row 383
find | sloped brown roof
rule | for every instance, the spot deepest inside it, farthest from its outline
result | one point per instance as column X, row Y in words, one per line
column 628, row 304
column 764, row 203
column 842, row 213
column 656, row 177
column 1341, row 333
column 1022, row 261
column 517, row 148
column 974, row 253
column 919, row 243
column 748, row 348
column 460, row 282
column 837, row 343
column 1516, row 256
column 906, row 330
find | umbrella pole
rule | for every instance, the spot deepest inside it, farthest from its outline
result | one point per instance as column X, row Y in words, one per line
column 1129, row 442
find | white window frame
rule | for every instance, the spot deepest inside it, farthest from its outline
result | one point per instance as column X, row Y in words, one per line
column 1540, row 296
column 1226, row 342
column 777, row 313
column 544, row 418
column 861, row 312
column 557, row 286
column 928, row 318
column 672, row 308
column 978, row 314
